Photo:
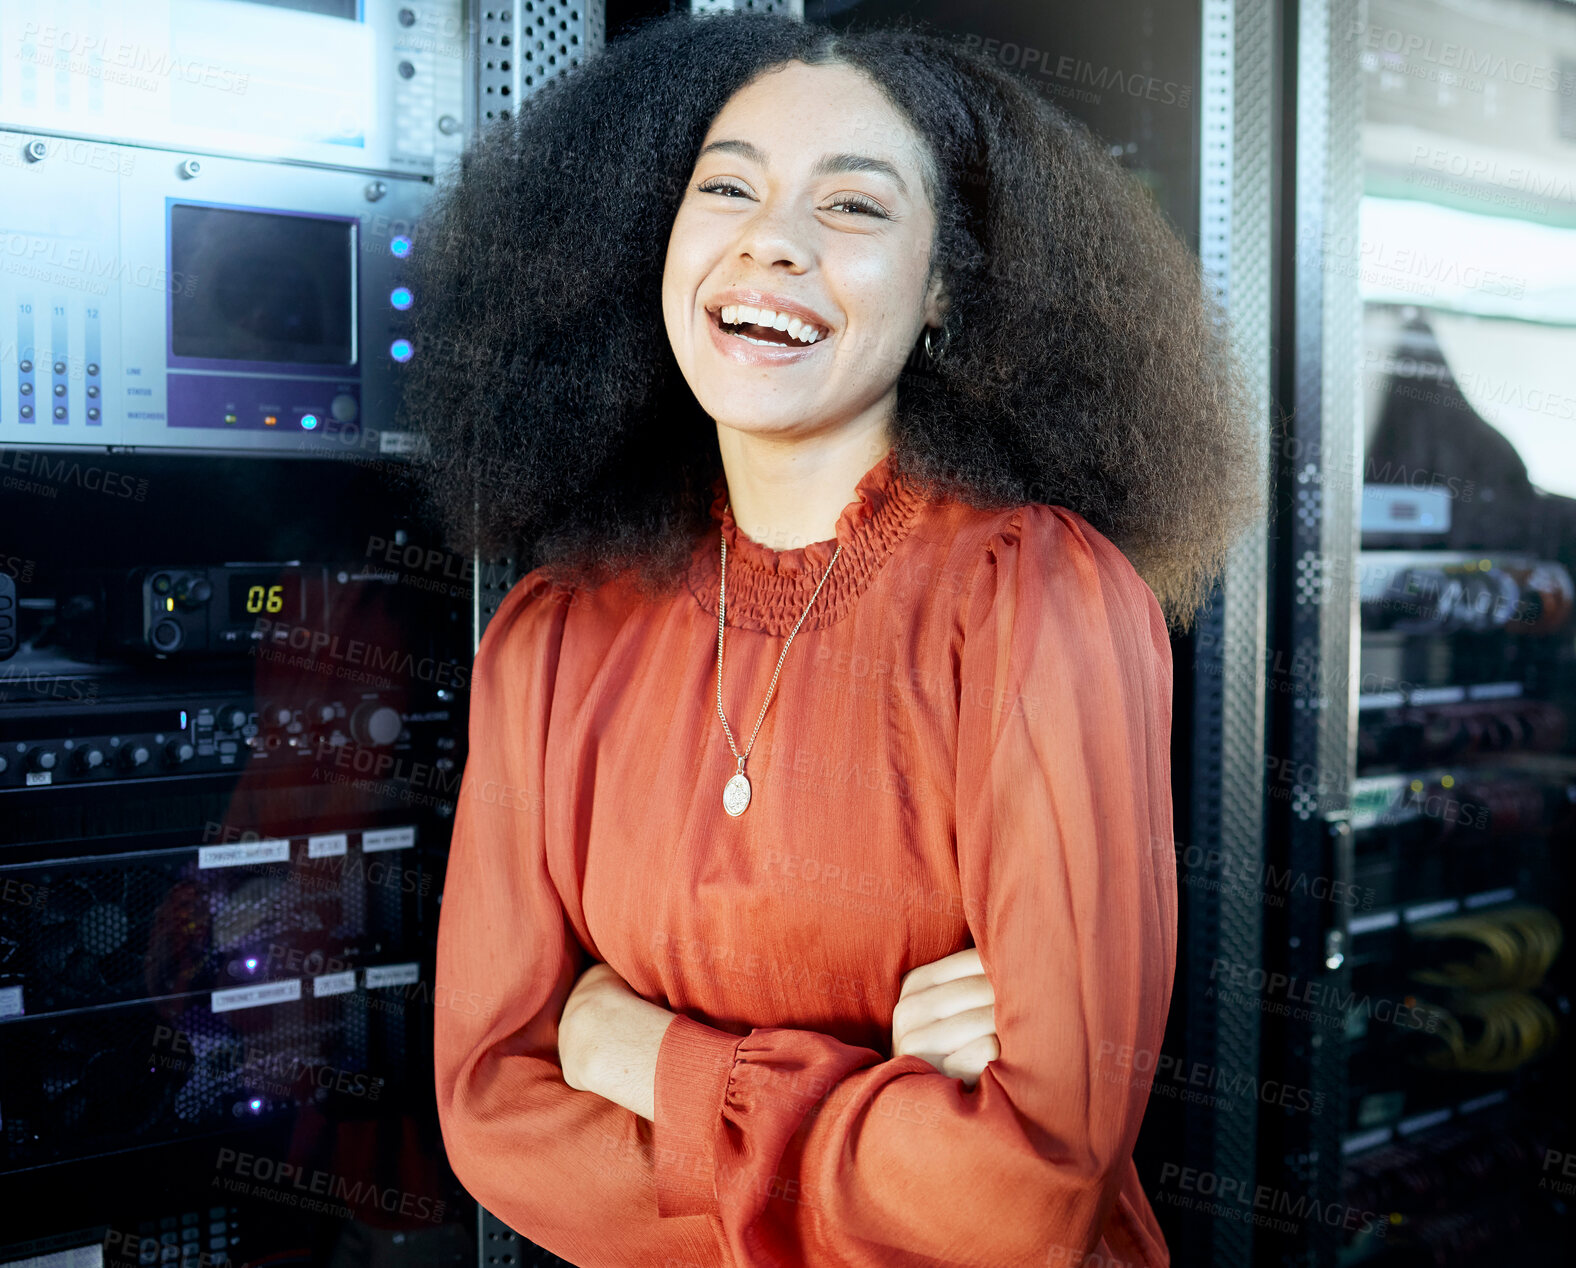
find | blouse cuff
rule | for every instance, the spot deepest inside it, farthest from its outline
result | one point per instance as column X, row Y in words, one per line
column 694, row 1065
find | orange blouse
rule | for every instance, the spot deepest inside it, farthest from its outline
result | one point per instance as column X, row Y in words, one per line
column 968, row 745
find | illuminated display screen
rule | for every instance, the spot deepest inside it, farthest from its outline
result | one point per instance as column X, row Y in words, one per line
column 264, row 594
column 260, row 286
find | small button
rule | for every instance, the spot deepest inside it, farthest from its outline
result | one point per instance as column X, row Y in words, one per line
column 93, row 413
column 26, row 410
column 93, row 367
column 60, row 367
column 60, row 411
column 26, row 389
column 93, row 389
column 26, row 367
column 60, row 389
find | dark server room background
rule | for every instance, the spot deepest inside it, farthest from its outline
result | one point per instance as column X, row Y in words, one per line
column 234, row 662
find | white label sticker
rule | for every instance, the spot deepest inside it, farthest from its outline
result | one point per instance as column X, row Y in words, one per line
column 402, row 442
column 327, row 846
column 334, row 983
column 245, row 852
column 10, row 1001
column 388, row 839
column 252, row 996
column 392, row 975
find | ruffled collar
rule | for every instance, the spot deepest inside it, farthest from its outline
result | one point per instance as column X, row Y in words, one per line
column 768, row 589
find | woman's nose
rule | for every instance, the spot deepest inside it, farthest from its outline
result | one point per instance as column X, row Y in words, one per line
column 774, row 235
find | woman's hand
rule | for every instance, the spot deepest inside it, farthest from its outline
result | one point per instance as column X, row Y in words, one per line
column 609, row 1038
column 946, row 1014
column 586, row 1013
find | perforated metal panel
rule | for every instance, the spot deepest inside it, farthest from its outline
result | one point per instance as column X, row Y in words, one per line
column 1222, row 920
column 522, row 44
column 1319, row 465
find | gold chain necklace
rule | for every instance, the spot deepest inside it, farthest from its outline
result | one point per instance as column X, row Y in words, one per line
column 736, row 792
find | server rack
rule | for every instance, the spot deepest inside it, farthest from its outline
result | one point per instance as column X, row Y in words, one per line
column 232, row 706
column 1423, row 992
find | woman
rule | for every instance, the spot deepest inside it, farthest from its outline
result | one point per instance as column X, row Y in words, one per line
column 852, row 353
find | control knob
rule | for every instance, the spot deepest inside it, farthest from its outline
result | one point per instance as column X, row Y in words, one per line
column 375, row 723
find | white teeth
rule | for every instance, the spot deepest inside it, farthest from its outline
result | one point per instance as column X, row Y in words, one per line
column 739, row 314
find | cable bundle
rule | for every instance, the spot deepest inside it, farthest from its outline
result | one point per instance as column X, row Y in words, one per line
column 1492, row 1023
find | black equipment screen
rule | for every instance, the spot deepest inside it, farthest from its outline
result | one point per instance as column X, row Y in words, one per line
column 260, row 286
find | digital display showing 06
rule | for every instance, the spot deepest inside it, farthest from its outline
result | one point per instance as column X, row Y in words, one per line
column 264, row 594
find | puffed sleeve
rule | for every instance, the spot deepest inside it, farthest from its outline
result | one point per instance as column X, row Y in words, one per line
column 567, row 1168
column 814, row 1152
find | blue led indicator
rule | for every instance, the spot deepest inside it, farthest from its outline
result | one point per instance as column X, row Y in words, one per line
column 399, row 246
column 400, row 350
column 400, row 297
column 309, row 421
column 183, row 719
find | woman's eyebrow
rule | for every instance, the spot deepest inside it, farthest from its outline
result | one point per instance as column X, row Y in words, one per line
column 826, row 165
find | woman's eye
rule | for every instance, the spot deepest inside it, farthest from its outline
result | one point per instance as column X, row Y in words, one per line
column 716, row 186
column 863, row 205
column 851, row 202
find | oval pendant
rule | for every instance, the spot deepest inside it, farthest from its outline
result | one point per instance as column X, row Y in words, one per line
column 736, row 795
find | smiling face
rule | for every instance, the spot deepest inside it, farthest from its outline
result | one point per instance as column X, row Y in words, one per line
column 807, row 209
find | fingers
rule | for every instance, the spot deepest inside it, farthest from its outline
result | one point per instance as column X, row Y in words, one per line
column 921, row 1008
column 962, row 963
column 969, row 1061
column 946, row 1035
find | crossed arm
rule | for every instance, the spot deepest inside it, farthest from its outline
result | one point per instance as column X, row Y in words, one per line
column 609, row 1037
column 1064, row 850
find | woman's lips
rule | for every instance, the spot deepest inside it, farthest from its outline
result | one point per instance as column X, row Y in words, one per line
column 747, row 353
